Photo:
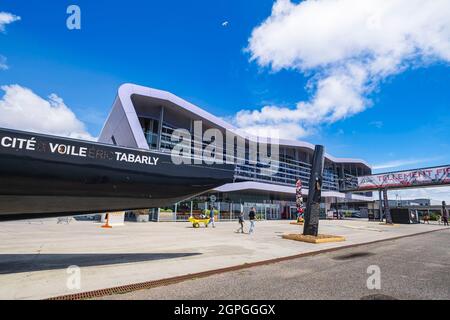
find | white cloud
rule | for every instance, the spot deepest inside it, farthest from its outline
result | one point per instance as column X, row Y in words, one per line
column 22, row 109
column 402, row 163
column 377, row 124
column 3, row 65
column 394, row 164
column 347, row 47
column 277, row 131
column 225, row 24
column 7, row 18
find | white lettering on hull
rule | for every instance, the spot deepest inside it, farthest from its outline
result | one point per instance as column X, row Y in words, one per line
column 74, row 151
column 132, row 158
column 68, row 150
column 17, row 143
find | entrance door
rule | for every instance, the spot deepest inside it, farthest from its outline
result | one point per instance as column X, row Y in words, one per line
column 261, row 212
column 273, row 212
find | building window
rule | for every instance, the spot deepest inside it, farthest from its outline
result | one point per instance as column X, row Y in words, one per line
column 150, row 127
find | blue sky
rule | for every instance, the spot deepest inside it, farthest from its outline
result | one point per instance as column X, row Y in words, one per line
column 182, row 47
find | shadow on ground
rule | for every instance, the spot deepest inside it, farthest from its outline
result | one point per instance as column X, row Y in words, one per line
column 15, row 263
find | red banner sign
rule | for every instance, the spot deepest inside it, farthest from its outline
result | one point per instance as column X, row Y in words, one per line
column 406, row 179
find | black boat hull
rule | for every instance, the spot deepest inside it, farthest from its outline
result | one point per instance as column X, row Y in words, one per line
column 43, row 176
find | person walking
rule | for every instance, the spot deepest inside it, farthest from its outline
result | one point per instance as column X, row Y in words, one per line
column 426, row 218
column 444, row 214
column 241, row 223
column 211, row 217
column 252, row 217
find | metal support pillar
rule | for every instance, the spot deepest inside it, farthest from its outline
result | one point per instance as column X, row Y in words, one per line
column 160, row 129
column 387, row 210
column 380, row 205
column 337, row 208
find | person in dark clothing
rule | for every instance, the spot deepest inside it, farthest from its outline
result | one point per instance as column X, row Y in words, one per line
column 252, row 217
column 444, row 213
column 212, row 216
column 241, row 222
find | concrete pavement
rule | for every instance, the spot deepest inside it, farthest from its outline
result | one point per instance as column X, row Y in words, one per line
column 34, row 256
column 416, row 268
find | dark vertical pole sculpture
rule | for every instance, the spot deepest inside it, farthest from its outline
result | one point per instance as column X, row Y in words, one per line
column 312, row 213
column 387, row 210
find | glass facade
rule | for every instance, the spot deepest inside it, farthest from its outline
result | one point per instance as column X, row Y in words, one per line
column 291, row 167
column 294, row 163
column 150, row 127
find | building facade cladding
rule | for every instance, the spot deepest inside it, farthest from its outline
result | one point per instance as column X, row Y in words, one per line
column 146, row 118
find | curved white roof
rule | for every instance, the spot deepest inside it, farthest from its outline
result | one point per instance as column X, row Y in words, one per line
column 129, row 89
column 268, row 187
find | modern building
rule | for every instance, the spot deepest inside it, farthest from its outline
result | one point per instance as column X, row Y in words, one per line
column 145, row 118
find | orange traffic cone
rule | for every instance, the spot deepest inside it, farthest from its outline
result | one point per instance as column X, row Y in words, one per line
column 107, row 226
